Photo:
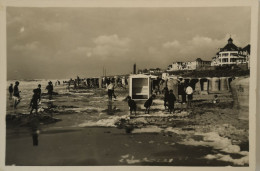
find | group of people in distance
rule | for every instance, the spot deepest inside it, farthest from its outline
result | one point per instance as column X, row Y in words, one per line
column 14, row 94
column 169, row 101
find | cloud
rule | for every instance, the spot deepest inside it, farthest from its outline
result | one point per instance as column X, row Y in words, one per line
column 173, row 44
column 197, row 47
column 105, row 46
column 202, row 46
column 111, row 46
column 27, row 47
column 112, row 40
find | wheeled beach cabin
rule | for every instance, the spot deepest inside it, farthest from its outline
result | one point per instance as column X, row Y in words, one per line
column 140, row 86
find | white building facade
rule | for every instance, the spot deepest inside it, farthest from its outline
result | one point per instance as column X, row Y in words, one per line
column 193, row 65
column 230, row 55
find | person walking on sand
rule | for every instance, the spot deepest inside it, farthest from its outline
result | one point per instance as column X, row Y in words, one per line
column 171, row 101
column 11, row 90
column 16, row 94
column 111, row 91
column 131, row 104
column 166, row 96
column 148, row 104
column 189, row 92
column 34, row 101
column 50, row 90
column 39, row 92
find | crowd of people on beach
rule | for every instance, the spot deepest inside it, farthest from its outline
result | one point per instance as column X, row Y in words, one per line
column 102, row 82
column 14, row 93
column 186, row 93
column 169, row 101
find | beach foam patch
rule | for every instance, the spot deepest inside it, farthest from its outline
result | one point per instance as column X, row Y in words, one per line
column 178, row 131
column 213, row 139
column 150, row 129
column 242, row 161
column 107, row 122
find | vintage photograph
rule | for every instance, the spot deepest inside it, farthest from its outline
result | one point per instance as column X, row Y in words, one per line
column 150, row 86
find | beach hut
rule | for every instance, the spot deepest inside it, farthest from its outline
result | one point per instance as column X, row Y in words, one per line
column 229, row 79
column 172, row 84
column 140, row 87
column 240, row 94
column 223, row 84
column 214, row 82
column 193, row 82
column 204, row 85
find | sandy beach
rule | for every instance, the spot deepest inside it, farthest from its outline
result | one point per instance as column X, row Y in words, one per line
column 88, row 130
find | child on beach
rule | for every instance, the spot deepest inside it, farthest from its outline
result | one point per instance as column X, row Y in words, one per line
column 16, row 95
column 11, row 90
column 34, row 101
column 171, row 101
column 148, row 104
column 131, row 104
column 215, row 99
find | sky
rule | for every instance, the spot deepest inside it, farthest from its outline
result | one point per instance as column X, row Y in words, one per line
column 50, row 43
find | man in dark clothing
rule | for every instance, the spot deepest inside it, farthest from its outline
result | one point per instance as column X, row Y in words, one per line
column 131, row 104
column 148, row 104
column 171, row 101
column 166, row 95
column 39, row 92
column 50, row 89
column 16, row 95
column 182, row 89
column 11, row 90
column 34, row 101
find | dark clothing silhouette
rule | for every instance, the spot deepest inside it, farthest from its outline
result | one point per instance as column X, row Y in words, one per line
column 16, row 91
column 166, row 96
column 171, row 101
column 34, row 101
column 148, row 104
column 11, row 90
column 132, row 105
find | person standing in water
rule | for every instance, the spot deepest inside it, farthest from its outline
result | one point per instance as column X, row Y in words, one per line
column 16, row 95
column 34, row 101
column 39, row 92
column 11, row 90
column 50, row 89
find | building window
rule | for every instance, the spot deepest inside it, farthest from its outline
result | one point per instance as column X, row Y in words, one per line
column 232, row 59
column 225, row 60
column 224, row 54
column 233, row 54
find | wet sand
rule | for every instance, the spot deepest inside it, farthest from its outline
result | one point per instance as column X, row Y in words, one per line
column 87, row 135
column 104, row 146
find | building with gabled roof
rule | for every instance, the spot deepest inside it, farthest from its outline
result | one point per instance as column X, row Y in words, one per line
column 230, row 54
